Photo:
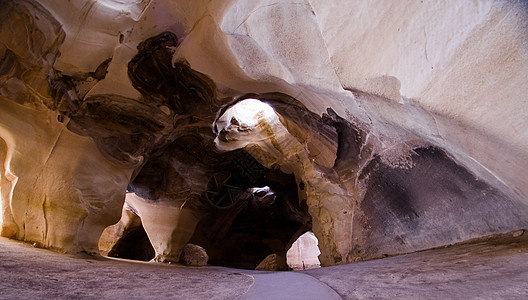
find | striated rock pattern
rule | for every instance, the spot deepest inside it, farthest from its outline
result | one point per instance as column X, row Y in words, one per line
column 49, row 194
column 384, row 128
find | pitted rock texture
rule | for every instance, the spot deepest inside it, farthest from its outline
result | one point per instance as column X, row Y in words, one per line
column 391, row 136
column 194, row 255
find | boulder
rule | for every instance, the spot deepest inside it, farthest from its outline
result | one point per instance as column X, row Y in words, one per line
column 273, row 262
column 194, row 255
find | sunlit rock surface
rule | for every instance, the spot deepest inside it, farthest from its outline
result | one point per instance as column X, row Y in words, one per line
column 304, row 252
column 402, row 125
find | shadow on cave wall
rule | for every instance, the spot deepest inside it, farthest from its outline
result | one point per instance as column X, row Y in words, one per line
column 133, row 244
column 434, row 201
column 431, row 202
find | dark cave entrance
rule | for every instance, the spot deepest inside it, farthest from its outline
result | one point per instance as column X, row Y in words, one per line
column 252, row 212
column 266, row 219
column 248, row 211
column 179, row 162
column 258, row 211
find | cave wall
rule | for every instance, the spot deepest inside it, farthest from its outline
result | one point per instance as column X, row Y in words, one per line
column 374, row 202
column 404, row 123
column 50, row 195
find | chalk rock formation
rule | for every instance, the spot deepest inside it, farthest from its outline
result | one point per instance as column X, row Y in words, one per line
column 50, row 195
column 385, row 127
column 127, row 238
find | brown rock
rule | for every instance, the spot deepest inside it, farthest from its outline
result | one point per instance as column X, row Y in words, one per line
column 273, row 262
column 194, row 255
column 518, row 233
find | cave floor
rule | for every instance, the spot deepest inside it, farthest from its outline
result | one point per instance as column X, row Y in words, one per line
column 493, row 268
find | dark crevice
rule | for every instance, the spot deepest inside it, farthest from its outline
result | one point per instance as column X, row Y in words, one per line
column 261, row 223
column 133, row 244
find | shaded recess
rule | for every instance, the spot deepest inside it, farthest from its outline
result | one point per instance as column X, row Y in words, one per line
column 264, row 220
column 179, row 160
column 165, row 137
column 133, row 244
column 177, row 86
column 175, row 100
column 190, row 157
column 430, row 202
column 427, row 201
column 241, row 224
column 353, row 151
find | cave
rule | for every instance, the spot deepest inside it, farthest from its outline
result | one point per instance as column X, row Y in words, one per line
column 239, row 140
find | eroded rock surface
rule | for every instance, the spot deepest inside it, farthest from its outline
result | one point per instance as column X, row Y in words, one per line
column 273, row 262
column 194, row 255
column 49, row 194
column 127, row 238
column 382, row 136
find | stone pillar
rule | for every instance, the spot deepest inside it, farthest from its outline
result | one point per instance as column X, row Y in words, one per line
column 168, row 226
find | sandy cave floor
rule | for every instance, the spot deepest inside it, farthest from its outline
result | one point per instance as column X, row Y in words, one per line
column 493, row 268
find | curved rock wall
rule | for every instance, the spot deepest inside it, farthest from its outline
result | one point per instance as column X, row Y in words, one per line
column 50, row 195
column 404, row 123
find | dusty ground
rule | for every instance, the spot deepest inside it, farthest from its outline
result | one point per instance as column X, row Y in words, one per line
column 31, row 273
column 495, row 268
column 492, row 268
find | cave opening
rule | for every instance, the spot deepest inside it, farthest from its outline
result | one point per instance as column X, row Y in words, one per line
column 269, row 216
column 304, row 252
column 264, row 221
column 247, row 122
column 249, row 213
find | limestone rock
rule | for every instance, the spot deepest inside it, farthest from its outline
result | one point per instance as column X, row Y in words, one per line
column 168, row 227
column 273, row 262
column 518, row 233
column 194, row 255
column 403, row 124
column 127, row 238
